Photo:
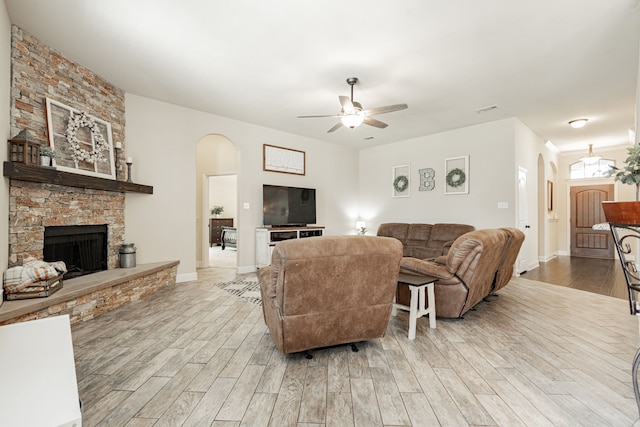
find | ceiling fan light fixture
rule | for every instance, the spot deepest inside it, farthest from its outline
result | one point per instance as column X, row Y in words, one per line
column 353, row 114
column 590, row 158
column 352, row 120
column 578, row 123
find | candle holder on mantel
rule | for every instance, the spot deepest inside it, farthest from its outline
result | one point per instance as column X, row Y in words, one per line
column 118, row 174
column 129, row 163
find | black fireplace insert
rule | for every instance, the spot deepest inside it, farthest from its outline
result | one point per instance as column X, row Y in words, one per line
column 83, row 248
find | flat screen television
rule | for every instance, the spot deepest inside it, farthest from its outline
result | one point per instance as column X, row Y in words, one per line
column 288, row 206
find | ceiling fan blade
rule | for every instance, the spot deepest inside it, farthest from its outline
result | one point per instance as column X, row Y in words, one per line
column 373, row 122
column 386, row 109
column 326, row 115
column 346, row 103
column 336, row 126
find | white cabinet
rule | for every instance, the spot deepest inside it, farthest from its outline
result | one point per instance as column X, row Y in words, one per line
column 39, row 384
column 266, row 239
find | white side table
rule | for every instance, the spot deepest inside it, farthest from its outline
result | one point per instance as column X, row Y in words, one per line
column 418, row 308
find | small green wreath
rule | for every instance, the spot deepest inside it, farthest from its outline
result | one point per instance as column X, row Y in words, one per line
column 456, row 177
column 400, row 183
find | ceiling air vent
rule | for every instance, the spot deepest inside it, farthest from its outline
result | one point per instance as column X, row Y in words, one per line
column 486, row 109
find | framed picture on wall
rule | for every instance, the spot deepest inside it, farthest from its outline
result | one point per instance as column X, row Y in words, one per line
column 82, row 143
column 284, row 160
column 456, row 171
column 401, row 176
column 549, row 196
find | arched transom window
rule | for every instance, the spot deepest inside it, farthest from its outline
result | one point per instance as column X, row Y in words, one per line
column 582, row 170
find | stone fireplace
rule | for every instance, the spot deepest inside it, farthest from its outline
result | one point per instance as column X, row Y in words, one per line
column 37, row 73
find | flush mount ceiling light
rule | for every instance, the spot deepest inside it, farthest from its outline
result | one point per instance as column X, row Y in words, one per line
column 578, row 123
column 590, row 158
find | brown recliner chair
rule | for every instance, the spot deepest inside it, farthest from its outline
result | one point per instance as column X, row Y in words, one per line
column 330, row 290
column 509, row 256
column 465, row 275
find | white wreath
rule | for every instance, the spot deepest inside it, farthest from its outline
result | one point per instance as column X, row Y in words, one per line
column 79, row 154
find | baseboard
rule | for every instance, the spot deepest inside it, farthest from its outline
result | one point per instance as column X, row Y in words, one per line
column 186, row 277
column 529, row 268
column 246, row 269
column 545, row 259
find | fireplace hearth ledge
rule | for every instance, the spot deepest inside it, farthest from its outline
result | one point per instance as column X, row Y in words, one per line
column 82, row 286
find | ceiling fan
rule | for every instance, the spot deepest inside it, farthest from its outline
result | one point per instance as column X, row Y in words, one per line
column 353, row 115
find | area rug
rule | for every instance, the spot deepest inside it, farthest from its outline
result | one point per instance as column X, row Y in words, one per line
column 247, row 289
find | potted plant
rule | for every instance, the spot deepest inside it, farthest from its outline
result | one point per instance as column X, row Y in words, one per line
column 217, row 210
column 630, row 174
column 46, row 154
column 625, row 212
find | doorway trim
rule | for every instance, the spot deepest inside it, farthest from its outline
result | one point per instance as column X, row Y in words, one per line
column 216, row 155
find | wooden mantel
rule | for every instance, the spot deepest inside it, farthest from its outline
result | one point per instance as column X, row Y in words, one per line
column 23, row 172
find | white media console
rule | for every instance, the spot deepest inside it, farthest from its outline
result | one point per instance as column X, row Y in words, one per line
column 267, row 237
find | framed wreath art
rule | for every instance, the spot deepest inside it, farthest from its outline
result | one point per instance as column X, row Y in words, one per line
column 83, row 142
column 401, row 181
column 456, row 175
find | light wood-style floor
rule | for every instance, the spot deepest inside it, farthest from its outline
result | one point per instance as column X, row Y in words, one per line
column 195, row 355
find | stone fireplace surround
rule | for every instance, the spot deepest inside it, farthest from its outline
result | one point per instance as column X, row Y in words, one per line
column 36, row 205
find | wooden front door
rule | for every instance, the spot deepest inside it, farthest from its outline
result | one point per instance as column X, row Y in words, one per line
column 586, row 210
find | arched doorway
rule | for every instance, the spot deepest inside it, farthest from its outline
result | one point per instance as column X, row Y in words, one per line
column 216, row 166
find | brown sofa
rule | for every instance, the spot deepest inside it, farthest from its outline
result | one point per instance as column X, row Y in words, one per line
column 330, row 290
column 424, row 240
column 478, row 263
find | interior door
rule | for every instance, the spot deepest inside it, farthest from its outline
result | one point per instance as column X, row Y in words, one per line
column 586, row 210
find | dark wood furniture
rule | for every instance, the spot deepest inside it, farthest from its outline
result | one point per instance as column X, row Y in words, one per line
column 215, row 229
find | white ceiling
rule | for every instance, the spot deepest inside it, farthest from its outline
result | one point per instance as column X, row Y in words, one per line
column 267, row 62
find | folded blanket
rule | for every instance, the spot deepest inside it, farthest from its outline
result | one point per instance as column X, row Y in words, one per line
column 19, row 278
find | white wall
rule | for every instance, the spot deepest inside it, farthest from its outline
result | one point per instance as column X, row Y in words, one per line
column 222, row 192
column 492, row 178
column 5, row 88
column 162, row 140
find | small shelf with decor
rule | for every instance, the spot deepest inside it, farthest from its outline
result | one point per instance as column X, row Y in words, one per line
column 31, row 173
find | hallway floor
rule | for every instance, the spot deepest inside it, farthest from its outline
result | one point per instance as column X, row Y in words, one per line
column 219, row 258
column 600, row 276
